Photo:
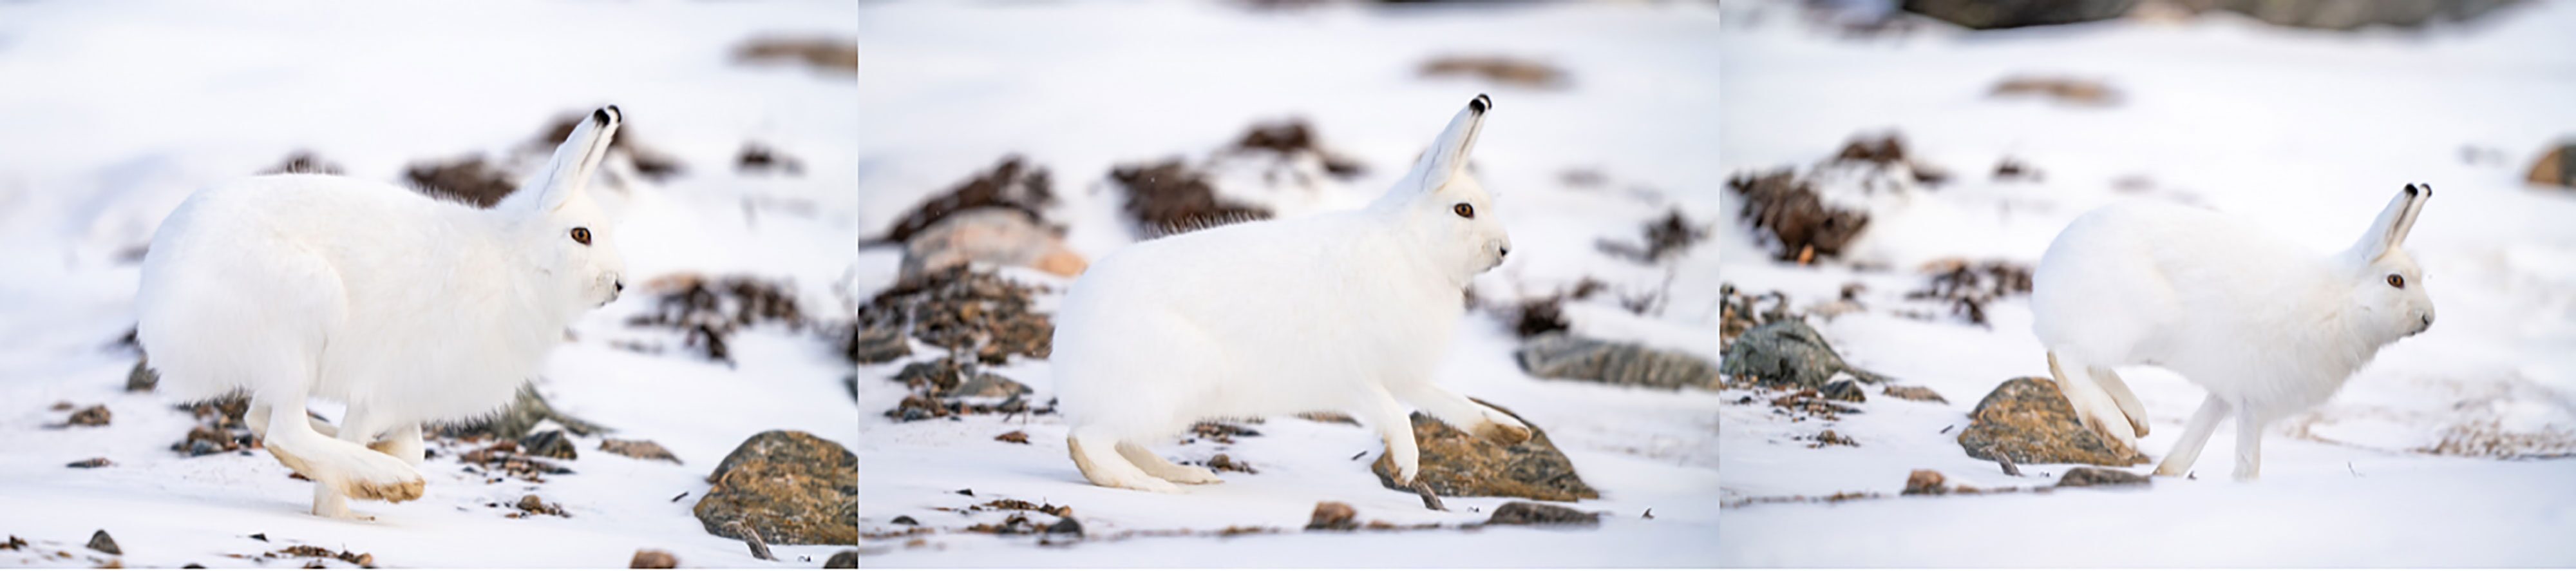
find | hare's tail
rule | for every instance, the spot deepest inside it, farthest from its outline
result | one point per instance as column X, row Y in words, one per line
column 2101, row 398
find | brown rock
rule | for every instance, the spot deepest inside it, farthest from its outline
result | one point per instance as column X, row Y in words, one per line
column 653, row 559
column 846, row 559
column 1014, row 437
column 549, row 444
column 1169, row 198
column 1498, row 69
column 91, row 463
column 830, row 55
column 2091, row 476
column 1332, row 516
column 1528, row 513
column 95, row 415
column 1011, row 184
column 2029, row 421
column 988, row 235
column 2066, row 90
column 640, row 449
column 1455, row 463
column 793, row 488
column 1800, row 225
column 2556, row 167
column 1922, row 394
column 1924, row 482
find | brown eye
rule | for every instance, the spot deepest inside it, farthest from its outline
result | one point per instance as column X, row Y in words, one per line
column 2396, row 281
column 581, row 235
column 1463, row 210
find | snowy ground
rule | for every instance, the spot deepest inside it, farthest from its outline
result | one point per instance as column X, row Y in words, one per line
column 114, row 113
column 1081, row 87
column 2310, row 131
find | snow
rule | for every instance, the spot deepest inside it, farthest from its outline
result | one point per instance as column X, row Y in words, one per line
column 116, row 112
column 1080, row 88
column 2309, row 132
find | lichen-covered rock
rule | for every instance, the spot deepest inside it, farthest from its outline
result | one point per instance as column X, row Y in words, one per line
column 1562, row 356
column 2556, row 166
column 1455, row 463
column 2028, row 421
column 550, row 444
column 873, row 345
column 1332, row 516
column 1787, row 354
column 791, row 487
column 1846, row 390
column 1526, row 513
column 2091, row 476
column 1925, row 482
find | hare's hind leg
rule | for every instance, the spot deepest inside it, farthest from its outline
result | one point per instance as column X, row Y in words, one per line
column 2092, row 403
column 1165, row 469
column 403, row 443
column 2120, row 395
column 1456, row 410
column 1095, row 452
column 338, row 468
column 257, row 419
column 2194, row 436
column 2249, row 445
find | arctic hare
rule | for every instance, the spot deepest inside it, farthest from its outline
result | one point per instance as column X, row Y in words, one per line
column 1344, row 311
column 408, row 308
column 2267, row 326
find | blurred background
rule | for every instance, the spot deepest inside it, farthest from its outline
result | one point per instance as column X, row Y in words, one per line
column 1896, row 168
column 732, row 178
column 1003, row 146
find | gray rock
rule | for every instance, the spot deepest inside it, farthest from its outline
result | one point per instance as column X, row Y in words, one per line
column 1528, row 513
column 1844, row 390
column 1787, row 354
column 1562, row 356
column 2090, row 476
column 873, row 345
column 2001, row 14
column 2355, row 14
column 142, row 379
column 989, row 385
column 522, row 416
column 104, row 544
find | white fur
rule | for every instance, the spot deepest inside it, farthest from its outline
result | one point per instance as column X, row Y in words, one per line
column 2269, row 328
column 1345, row 311
column 408, row 308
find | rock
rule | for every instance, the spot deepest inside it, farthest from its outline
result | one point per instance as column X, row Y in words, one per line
column 2081, row 476
column 1455, row 463
column 1798, row 223
column 905, row 520
column 990, row 235
column 1787, row 354
column 95, row 415
column 2557, row 167
column 845, row 559
column 1924, row 482
column 825, row 54
column 1563, row 356
column 1528, row 513
column 1329, row 418
column 1831, row 438
column 638, row 449
column 653, row 559
column 1919, row 394
column 142, row 379
column 874, row 345
column 1066, row 526
column 968, row 312
column 1014, row 437
column 2064, row 90
column 91, row 463
column 708, row 311
column 988, row 385
column 1498, row 69
column 104, row 544
column 791, row 487
column 1222, row 463
column 533, row 505
column 525, row 412
column 760, row 158
column 549, row 444
column 2028, row 421
column 2002, row 14
column 468, row 180
column 1291, row 141
column 1332, row 516
column 1846, row 390
column 1011, row 184
column 1170, row 198
column 2356, row 14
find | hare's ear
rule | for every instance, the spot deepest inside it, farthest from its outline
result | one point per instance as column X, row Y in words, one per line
column 1448, row 155
column 569, row 172
column 2389, row 230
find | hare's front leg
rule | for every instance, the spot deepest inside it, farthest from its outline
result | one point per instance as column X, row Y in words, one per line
column 1095, row 453
column 1393, row 423
column 1156, row 466
column 2194, row 437
column 402, row 444
column 2249, row 445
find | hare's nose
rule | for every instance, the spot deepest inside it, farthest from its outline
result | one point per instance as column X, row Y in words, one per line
column 1506, row 251
column 621, row 286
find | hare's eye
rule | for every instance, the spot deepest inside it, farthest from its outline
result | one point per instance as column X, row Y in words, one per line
column 581, row 235
column 2396, row 281
column 1463, row 210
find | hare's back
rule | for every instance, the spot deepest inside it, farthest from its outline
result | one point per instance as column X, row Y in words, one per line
column 2125, row 283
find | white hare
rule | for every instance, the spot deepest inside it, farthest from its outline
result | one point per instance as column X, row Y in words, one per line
column 408, row 308
column 2268, row 327
column 1343, row 311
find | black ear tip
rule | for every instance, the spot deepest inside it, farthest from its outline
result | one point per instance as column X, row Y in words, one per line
column 1481, row 103
column 605, row 115
column 2410, row 189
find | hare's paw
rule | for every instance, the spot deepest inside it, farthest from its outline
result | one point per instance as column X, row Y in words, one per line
column 1140, row 482
column 1502, row 429
column 1184, row 474
column 381, row 477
